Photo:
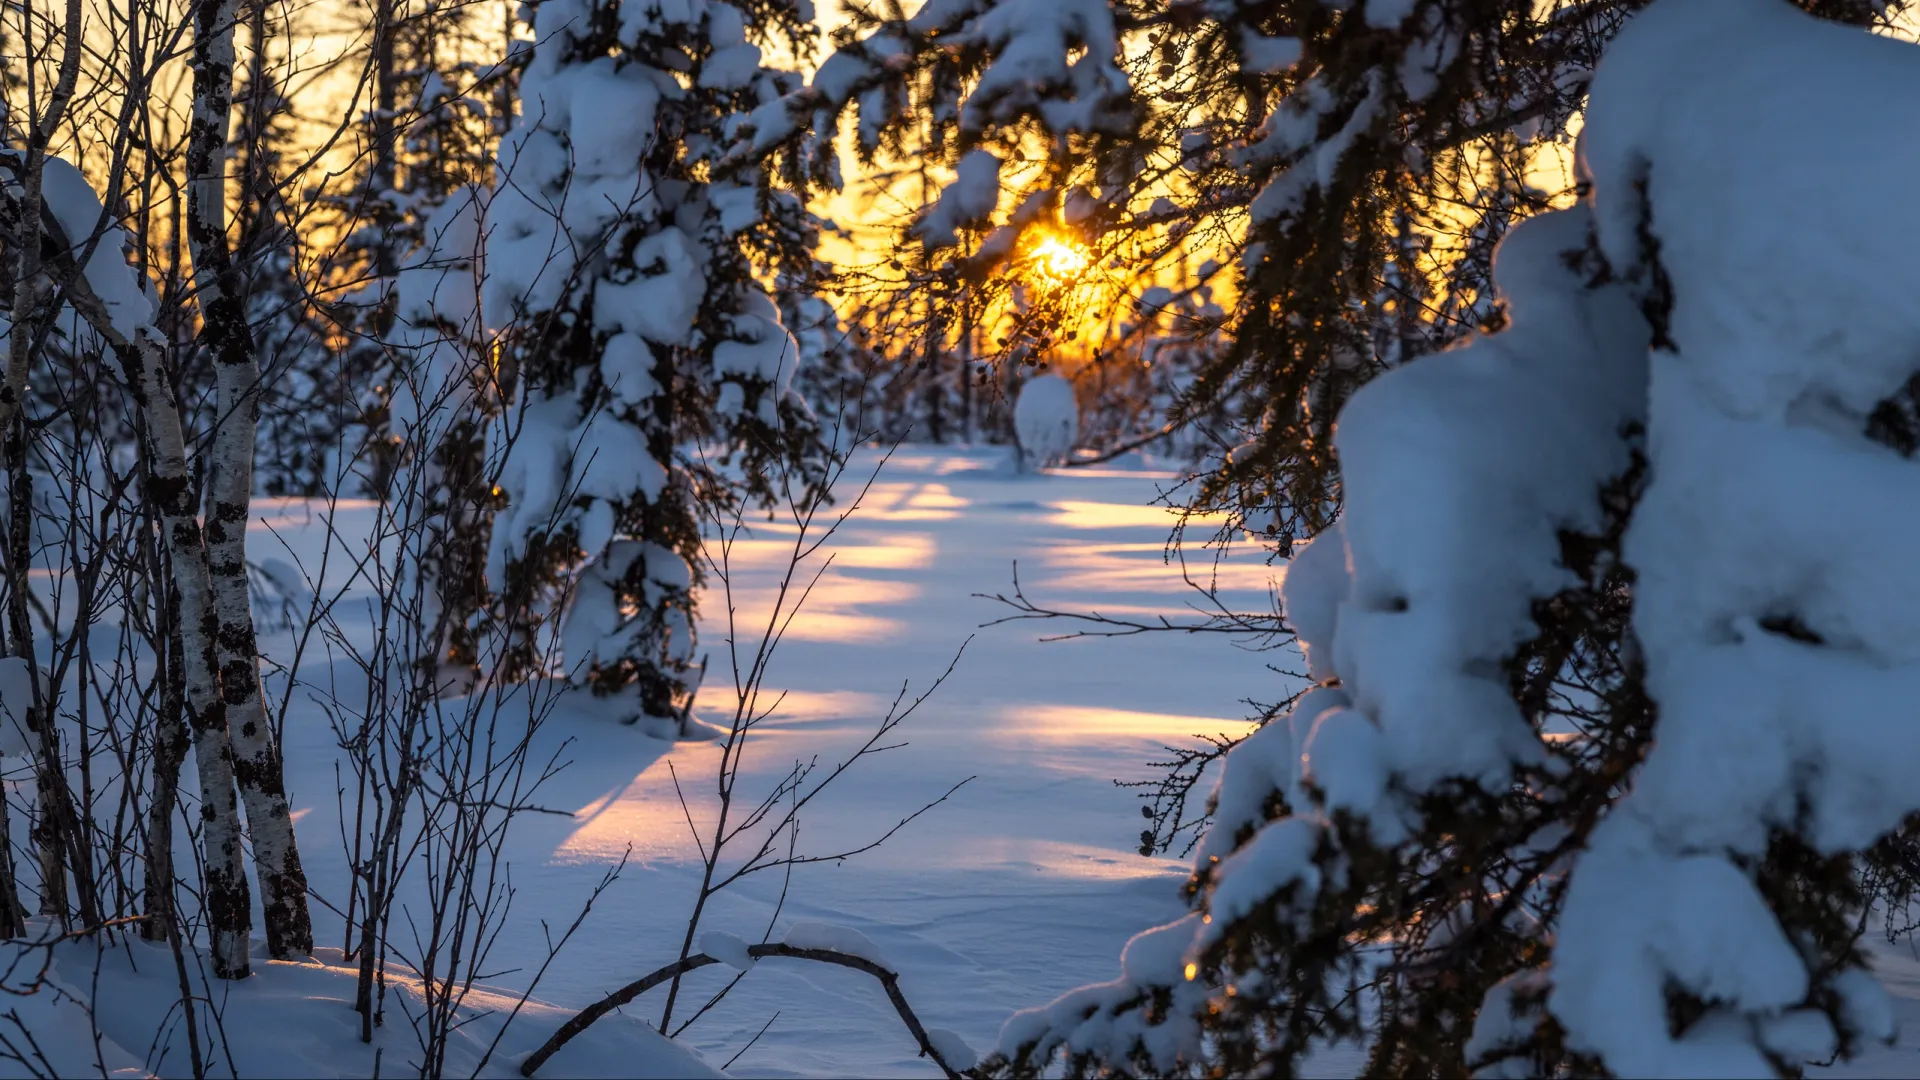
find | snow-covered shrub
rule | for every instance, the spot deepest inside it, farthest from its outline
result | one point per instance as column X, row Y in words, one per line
column 1046, row 419
column 622, row 250
column 1593, row 758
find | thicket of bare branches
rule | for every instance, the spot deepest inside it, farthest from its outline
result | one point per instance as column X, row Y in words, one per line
column 213, row 289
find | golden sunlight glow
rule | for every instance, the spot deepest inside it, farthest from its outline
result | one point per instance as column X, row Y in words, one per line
column 1057, row 259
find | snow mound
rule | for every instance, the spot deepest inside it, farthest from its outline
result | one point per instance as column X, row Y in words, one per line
column 1046, row 420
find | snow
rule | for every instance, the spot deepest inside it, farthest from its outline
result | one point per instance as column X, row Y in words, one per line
column 757, row 361
column 731, row 67
column 1092, row 1018
column 1263, row 55
column 538, row 435
column 1317, row 581
column 1289, row 134
column 1763, row 393
column 838, row 74
column 610, row 461
column 1485, row 452
column 970, row 199
column 1347, row 762
column 660, row 304
column 296, row 1019
column 1279, row 856
column 76, row 207
column 1046, row 420
column 658, row 16
column 1387, row 14
column 1024, row 885
column 953, row 1048
column 626, row 363
column 611, row 116
column 1034, row 67
column 726, row 948
column 818, row 935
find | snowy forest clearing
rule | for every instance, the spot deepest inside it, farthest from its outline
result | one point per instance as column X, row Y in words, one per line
column 461, row 518
column 1021, row 886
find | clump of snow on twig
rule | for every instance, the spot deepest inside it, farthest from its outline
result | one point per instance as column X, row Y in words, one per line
column 729, row 949
column 841, row 939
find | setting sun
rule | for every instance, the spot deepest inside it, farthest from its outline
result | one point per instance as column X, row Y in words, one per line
column 1058, row 259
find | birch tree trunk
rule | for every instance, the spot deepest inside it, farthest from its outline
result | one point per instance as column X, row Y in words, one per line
column 142, row 357
column 283, row 882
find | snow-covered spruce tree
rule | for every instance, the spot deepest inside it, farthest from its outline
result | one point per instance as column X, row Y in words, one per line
column 428, row 134
column 1340, row 156
column 436, row 383
column 622, row 254
column 1593, row 763
column 1784, row 680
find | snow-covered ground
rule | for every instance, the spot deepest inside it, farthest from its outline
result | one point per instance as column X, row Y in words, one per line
column 1024, row 884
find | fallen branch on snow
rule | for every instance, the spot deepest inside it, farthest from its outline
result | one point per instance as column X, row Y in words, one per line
column 889, row 980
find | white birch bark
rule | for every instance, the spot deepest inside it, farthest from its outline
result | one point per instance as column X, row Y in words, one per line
column 226, row 334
